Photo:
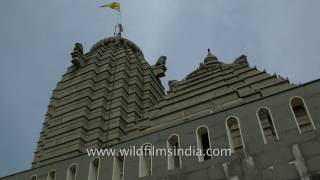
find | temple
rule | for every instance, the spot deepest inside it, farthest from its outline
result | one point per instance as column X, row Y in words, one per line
column 111, row 97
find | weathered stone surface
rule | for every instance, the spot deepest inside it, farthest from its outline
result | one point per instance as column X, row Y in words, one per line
column 110, row 85
column 111, row 97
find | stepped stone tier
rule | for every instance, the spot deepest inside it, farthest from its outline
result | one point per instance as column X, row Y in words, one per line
column 212, row 87
column 112, row 98
column 112, row 94
column 99, row 100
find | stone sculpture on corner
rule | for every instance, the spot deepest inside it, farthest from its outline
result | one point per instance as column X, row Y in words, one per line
column 160, row 68
column 77, row 55
column 241, row 60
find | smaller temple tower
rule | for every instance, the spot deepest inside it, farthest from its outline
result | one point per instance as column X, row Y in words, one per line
column 212, row 87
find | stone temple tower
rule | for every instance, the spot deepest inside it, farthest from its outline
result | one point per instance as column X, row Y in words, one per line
column 100, row 99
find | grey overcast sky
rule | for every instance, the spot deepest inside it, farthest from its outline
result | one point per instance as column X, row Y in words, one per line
column 37, row 36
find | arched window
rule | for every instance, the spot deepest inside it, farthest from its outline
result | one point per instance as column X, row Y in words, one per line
column 72, row 172
column 267, row 126
column 33, row 177
column 203, row 142
column 145, row 161
column 234, row 134
column 118, row 167
column 94, row 169
column 51, row 175
column 301, row 115
column 173, row 145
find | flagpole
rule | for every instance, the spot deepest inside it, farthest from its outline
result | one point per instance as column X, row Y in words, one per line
column 116, row 24
column 120, row 24
column 116, row 6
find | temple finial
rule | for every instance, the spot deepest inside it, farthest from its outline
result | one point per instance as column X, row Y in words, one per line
column 210, row 59
column 120, row 29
